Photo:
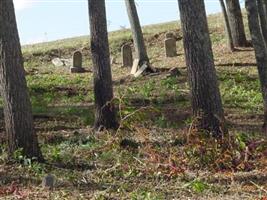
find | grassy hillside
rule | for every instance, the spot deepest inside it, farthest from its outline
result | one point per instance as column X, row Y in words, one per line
column 152, row 155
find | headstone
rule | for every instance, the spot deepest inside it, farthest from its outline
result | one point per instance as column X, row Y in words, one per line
column 170, row 47
column 169, row 35
column 77, row 60
column 127, row 56
column 48, row 182
column 57, row 62
column 135, row 66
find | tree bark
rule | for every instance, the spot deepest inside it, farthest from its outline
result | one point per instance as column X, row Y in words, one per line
column 206, row 99
column 236, row 23
column 265, row 7
column 263, row 19
column 105, row 115
column 260, row 51
column 17, row 106
column 138, row 38
column 227, row 26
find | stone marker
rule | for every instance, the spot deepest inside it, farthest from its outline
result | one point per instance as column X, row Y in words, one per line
column 57, row 62
column 49, row 182
column 135, row 66
column 127, row 56
column 170, row 47
column 169, row 35
column 77, row 60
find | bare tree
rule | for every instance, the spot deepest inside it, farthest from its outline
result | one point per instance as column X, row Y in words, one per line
column 260, row 51
column 105, row 115
column 265, row 6
column 206, row 99
column 236, row 23
column 138, row 38
column 263, row 18
column 227, row 26
column 17, row 106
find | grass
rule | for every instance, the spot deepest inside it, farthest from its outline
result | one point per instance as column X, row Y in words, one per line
column 152, row 155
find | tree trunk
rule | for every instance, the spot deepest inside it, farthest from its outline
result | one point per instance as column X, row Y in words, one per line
column 265, row 7
column 260, row 51
column 138, row 39
column 263, row 19
column 105, row 115
column 227, row 26
column 236, row 23
column 17, row 106
column 206, row 99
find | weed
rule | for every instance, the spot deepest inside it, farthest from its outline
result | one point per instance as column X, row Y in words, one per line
column 170, row 83
column 55, row 153
column 197, row 186
column 145, row 195
column 147, row 88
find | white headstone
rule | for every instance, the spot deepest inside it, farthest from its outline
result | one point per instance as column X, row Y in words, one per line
column 77, row 60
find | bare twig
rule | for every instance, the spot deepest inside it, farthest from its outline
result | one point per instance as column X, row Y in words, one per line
column 259, row 187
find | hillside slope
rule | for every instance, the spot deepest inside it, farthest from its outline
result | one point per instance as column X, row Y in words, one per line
column 153, row 155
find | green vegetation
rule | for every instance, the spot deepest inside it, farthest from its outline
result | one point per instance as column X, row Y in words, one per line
column 150, row 155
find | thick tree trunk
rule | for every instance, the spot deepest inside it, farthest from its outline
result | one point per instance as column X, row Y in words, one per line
column 227, row 26
column 206, row 99
column 105, row 115
column 260, row 51
column 263, row 19
column 138, row 39
column 236, row 23
column 17, row 107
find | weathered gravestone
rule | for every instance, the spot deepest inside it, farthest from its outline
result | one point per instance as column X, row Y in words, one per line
column 77, row 60
column 57, row 62
column 170, row 45
column 169, row 35
column 127, row 56
column 48, row 182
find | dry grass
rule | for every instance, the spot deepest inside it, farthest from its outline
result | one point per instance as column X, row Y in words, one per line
column 150, row 156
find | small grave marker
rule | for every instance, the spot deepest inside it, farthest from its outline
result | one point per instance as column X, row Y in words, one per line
column 127, row 56
column 77, row 60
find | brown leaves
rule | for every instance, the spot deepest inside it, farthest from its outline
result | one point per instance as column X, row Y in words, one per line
column 14, row 190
